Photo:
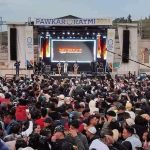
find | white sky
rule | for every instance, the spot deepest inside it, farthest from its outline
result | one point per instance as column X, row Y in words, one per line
column 20, row 10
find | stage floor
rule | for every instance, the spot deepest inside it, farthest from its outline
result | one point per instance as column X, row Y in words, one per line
column 69, row 75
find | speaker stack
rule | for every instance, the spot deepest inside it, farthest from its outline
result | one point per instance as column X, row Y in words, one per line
column 125, row 50
column 13, row 44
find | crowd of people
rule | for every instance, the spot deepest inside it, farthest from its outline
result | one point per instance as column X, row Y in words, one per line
column 43, row 113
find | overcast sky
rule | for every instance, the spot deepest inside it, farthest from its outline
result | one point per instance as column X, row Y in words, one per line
column 20, row 10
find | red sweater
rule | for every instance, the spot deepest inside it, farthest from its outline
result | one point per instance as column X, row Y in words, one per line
column 21, row 113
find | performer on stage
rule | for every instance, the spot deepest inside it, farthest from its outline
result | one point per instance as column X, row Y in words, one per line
column 59, row 68
column 17, row 65
column 65, row 67
column 75, row 66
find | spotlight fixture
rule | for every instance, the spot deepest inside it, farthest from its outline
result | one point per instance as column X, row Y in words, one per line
column 47, row 33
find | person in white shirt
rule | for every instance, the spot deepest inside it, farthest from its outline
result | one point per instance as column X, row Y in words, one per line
column 97, row 144
column 128, row 135
column 65, row 67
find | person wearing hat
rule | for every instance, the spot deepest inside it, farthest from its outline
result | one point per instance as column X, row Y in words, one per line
column 96, row 142
column 91, row 134
column 58, row 139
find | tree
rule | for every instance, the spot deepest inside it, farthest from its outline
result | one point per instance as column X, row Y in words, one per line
column 129, row 19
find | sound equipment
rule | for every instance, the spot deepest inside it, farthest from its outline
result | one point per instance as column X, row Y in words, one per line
column 125, row 49
column 13, row 44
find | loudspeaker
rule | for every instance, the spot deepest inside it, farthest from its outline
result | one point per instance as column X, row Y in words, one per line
column 125, row 49
column 13, row 44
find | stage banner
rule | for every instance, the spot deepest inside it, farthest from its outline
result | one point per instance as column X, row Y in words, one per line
column 110, row 46
column 99, row 46
column 21, row 46
column 29, row 47
column 72, row 22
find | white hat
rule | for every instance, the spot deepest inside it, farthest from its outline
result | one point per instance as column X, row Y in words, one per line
column 115, row 134
column 130, row 121
column 61, row 97
column 92, row 104
column 27, row 148
column 143, row 100
column 92, row 130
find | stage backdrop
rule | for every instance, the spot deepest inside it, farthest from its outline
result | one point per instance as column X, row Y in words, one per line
column 73, row 50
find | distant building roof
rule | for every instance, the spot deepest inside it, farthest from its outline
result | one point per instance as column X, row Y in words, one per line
column 69, row 17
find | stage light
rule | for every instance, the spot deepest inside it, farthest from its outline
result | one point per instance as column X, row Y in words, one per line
column 68, row 33
column 63, row 33
column 93, row 33
column 58, row 37
column 47, row 33
column 62, row 37
column 54, row 33
column 78, row 33
column 104, row 37
column 73, row 33
column 93, row 38
column 87, row 33
column 81, row 37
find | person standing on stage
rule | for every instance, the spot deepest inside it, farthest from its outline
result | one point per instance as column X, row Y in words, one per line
column 75, row 66
column 17, row 65
column 59, row 68
column 65, row 67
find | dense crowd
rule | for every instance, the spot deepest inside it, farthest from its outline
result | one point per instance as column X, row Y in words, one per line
column 42, row 113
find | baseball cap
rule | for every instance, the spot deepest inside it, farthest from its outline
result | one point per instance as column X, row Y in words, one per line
column 59, row 128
